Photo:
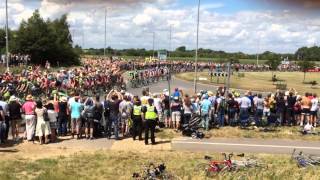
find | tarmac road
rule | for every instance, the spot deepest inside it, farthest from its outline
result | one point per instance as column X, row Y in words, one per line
column 184, row 85
column 270, row 146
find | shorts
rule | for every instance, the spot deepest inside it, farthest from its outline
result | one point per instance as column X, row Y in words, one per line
column 313, row 113
column 305, row 111
column 53, row 125
column 75, row 124
column 176, row 116
column 89, row 123
column 15, row 122
column 166, row 113
column 160, row 116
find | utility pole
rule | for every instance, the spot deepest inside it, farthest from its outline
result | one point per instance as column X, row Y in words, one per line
column 105, row 32
column 7, row 38
column 153, row 41
column 229, row 76
column 83, row 39
column 258, row 51
column 170, row 62
column 196, row 60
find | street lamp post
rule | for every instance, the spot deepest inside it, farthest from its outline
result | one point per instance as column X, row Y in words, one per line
column 105, row 32
column 170, row 66
column 153, row 41
column 197, row 46
column 7, row 37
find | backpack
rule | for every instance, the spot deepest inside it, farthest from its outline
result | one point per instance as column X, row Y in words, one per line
column 106, row 106
column 46, row 115
column 222, row 104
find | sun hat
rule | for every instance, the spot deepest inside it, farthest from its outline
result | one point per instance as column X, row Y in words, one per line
column 12, row 99
column 64, row 99
column 29, row 98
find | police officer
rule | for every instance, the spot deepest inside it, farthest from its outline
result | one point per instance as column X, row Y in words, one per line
column 136, row 117
column 150, row 121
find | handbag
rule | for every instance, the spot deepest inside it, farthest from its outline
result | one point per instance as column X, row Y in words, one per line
column 46, row 116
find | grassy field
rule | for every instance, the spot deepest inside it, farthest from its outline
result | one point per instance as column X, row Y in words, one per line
column 261, row 81
column 121, row 165
column 291, row 133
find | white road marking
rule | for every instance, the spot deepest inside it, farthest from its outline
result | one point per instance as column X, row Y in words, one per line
column 248, row 145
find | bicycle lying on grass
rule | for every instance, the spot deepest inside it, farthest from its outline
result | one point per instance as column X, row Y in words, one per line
column 153, row 172
column 304, row 161
column 214, row 167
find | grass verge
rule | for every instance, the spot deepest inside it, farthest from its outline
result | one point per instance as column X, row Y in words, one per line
column 290, row 133
column 261, row 81
column 121, row 165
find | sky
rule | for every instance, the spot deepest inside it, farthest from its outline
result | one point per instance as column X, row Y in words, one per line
column 248, row 26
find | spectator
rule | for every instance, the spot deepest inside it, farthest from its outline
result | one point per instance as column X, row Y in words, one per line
column 258, row 104
column 28, row 108
column 43, row 126
column 187, row 109
column 205, row 110
column 75, row 109
column 314, row 110
column 15, row 117
column 176, row 112
column 52, row 115
column 62, row 116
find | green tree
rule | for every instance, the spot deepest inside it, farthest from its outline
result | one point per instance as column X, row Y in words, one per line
column 46, row 40
column 181, row 49
column 305, row 66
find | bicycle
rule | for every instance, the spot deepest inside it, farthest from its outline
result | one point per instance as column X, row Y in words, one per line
column 304, row 161
column 250, row 162
column 215, row 167
column 152, row 172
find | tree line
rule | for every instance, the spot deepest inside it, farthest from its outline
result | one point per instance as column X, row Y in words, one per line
column 304, row 53
column 48, row 40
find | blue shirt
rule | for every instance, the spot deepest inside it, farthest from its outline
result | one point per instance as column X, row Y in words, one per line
column 176, row 94
column 205, row 106
column 75, row 110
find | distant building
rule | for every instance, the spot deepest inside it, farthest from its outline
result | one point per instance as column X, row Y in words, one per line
column 162, row 55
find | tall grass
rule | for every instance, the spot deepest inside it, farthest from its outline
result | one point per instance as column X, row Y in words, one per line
column 121, row 165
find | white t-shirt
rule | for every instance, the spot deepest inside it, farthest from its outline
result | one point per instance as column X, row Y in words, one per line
column 52, row 115
column 259, row 103
column 315, row 104
column 245, row 102
column 157, row 104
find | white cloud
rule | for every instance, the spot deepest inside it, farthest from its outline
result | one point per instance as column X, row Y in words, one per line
column 142, row 19
column 130, row 23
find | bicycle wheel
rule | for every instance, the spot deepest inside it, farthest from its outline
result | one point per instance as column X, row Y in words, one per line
column 169, row 176
column 203, row 168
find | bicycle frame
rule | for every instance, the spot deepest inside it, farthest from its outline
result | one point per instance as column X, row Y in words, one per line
column 215, row 166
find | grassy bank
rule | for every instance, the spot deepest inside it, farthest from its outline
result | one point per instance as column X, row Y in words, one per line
column 121, row 165
column 261, row 81
column 291, row 133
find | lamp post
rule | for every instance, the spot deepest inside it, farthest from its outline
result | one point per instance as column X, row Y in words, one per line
column 7, row 38
column 153, row 41
column 197, row 46
column 105, row 32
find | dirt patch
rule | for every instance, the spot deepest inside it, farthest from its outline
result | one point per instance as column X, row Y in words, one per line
column 130, row 145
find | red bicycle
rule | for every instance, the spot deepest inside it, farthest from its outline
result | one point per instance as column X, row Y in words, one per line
column 213, row 167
